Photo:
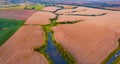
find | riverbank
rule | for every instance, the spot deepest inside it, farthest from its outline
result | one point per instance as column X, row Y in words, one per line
column 111, row 59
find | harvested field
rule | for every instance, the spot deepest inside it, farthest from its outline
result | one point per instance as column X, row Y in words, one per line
column 50, row 8
column 16, row 14
column 19, row 48
column 92, row 40
column 40, row 18
column 92, row 12
column 65, row 11
column 82, row 10
column 21, row 7
column 67, row 6
column 70, row 18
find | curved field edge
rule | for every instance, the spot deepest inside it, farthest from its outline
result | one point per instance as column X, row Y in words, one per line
column 65, row 54
column 10, row 26
column 41, row 49
column 111, row 54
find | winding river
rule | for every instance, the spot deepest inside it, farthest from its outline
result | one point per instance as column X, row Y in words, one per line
column 52, row 51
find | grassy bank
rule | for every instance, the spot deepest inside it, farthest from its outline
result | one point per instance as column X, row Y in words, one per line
column 111, row 54
column 41, row 49
column 69, row 22
column 65, row 54
column 117, row 61
column 8, row 27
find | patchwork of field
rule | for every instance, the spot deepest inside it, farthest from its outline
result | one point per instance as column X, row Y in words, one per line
column 19, row 48
column 92, row 40
column 50, row 8
column 82, row 10
column 89, row 42
column 13, row 8
column 41, row 18
column 23, row 7
column 16, row 14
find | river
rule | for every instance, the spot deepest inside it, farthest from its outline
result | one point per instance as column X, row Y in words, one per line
column 52, row 51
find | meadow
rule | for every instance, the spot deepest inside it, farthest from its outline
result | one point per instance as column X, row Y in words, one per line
column 8, row 27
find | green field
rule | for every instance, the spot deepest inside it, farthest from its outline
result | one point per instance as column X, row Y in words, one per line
column 23, row 7
column 34, row 7
column 8, row 27
column 39, row 7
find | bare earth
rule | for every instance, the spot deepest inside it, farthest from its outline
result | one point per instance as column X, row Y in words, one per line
column 40, row 18
column 70, row 18
column 16, row 14
column 19, row 48
column 67, row 6
column 91, row 40
column 82, row 10
column 65, row 11
column 50, row 8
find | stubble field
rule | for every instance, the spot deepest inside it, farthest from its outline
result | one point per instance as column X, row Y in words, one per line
column 19, row 48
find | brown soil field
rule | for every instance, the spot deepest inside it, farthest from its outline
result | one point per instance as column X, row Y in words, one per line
column 40, row 18
column 67, row 6
column 89, row 11
column 19, row 48
column 65, row 11
column 50, row 8
column 92, row 40
column 70, row 18
column 82, row 10
column 16, row 14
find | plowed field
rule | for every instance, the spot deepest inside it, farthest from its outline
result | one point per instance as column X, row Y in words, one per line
column 40, row 18
column 19, row 48
column 92, row 40
column 16, row 14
